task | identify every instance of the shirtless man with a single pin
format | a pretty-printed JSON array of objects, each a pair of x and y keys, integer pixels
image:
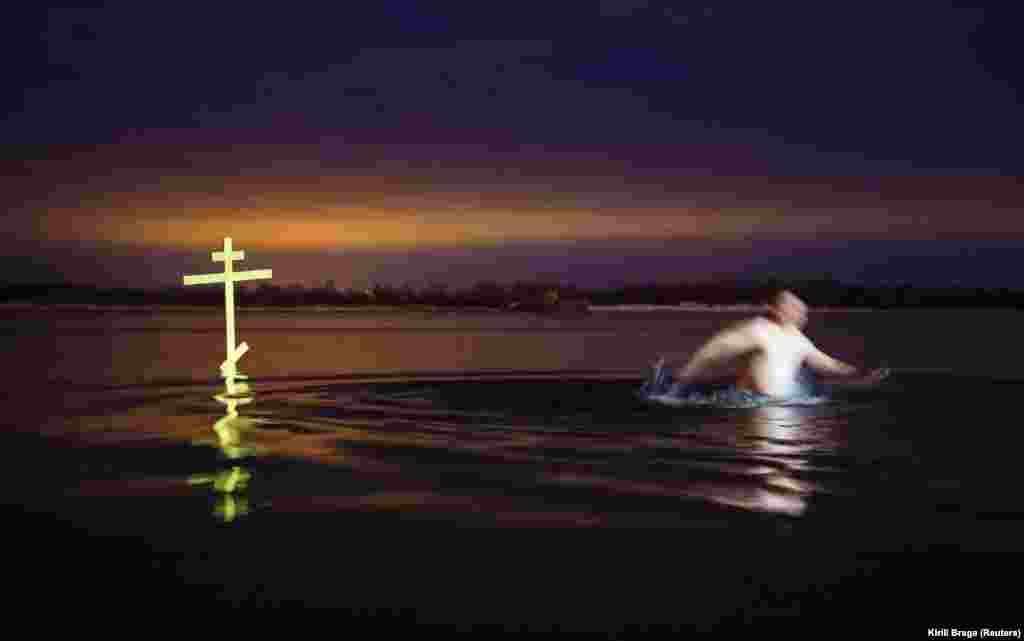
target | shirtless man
[{"x": 774, "y": 349}]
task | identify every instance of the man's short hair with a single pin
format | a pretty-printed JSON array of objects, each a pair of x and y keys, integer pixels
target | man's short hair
[{"x": 776, "y": 297}]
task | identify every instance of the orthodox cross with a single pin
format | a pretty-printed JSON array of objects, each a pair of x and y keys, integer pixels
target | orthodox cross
[{"x": 229, "y": 277}]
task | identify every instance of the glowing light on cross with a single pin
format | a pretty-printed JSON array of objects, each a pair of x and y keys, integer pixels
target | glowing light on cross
[{"x": 229, "y": 368}]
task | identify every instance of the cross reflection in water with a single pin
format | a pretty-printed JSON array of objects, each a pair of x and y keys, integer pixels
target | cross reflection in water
[{"x": 230, "y": 484}]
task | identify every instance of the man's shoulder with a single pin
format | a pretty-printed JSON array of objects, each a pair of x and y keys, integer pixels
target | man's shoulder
[
  {"x": 756, "y": 326},
  {"x": 756, "y": 322}
]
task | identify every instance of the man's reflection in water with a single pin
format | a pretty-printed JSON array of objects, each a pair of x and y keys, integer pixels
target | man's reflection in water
[
  {"x": 781, "y": 439},
  {"x": 230, "y": 484},
  {"x": 782, "y": 433}
]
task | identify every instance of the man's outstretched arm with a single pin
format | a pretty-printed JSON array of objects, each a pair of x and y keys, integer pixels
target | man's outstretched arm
[
  {"x": 721, "y": 348},
  {"x": 826, "y": 365}
]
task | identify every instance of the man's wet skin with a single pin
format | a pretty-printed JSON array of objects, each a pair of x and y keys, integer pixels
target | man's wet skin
[{"x": 770, "y": 351}]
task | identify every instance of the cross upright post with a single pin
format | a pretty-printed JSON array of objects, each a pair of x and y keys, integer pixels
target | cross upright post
[
  {"x": 229, "y": 277},
  {"x": 227, "y": 256}
]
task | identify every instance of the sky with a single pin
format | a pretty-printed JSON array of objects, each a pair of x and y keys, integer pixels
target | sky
[{"x": 595, "y": 142}]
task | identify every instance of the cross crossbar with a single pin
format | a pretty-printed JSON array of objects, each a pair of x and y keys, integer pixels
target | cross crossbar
[
  {"x": 218, "y": 257},
  {"x": 211, "y": 279}
]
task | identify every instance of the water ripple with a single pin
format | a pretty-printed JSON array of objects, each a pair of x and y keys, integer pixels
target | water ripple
[{"x": 574, "y": 449}]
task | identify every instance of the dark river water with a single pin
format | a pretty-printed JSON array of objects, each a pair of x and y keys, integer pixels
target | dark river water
[{"x": 470, "y": 469}]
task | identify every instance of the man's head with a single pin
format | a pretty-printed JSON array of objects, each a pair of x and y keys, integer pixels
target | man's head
[{"x": 788, "y": 309}]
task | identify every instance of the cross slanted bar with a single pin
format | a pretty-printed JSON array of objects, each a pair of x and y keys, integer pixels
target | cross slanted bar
[{"x": 229, "y": 277}]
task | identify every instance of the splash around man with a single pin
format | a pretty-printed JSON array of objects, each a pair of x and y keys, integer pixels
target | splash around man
[{"x": 773, "y": 353}]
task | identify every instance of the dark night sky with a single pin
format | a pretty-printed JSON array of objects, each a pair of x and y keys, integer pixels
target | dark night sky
[{"x": 589, "y": 141}]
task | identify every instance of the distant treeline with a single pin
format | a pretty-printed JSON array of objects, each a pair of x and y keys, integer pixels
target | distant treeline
[{"x": 525, "y": 295}]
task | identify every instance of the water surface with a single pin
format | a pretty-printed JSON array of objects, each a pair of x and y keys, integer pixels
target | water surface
[{"x": 394, "y": 431}]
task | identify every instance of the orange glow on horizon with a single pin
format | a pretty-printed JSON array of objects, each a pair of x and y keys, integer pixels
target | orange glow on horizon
[
  {"x": 368, "y": 229},
  {"x": 364, "y": 228}
]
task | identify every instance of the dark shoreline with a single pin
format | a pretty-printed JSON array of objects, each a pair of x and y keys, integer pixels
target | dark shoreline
[{"x": 552, "y": 298}]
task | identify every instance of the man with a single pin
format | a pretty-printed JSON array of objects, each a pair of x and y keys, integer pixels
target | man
[{"x": 773, "y": 351}]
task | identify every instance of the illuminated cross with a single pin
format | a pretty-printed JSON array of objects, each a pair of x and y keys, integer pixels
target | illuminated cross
[{"x": 229, "y": 277}]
